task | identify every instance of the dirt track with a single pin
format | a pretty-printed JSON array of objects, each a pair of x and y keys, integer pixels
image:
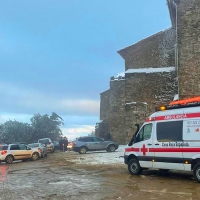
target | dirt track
[{"x": 61, "y": 176}]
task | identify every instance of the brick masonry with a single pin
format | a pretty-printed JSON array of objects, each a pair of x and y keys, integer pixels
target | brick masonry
[{"x": 188, "y": 13}]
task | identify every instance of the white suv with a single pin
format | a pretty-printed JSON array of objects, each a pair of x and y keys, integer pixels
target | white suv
[
  {"x": 11, "y": 152},
  {"x": 48, "y": 143}
]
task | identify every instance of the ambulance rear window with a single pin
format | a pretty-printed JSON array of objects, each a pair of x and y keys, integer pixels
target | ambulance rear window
[{"x": 169, "y": 131}]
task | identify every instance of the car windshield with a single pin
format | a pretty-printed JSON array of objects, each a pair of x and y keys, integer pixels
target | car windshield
[
  {"x": 44, "y": 141},
  {"x": 33, "y": 145}
]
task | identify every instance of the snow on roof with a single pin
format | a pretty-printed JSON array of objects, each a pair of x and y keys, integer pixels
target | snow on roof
[
  {"x": 136, "y": 103},
  {"x": 118, "y": 77},
  {"x": 122, "y": 74},
  {"x": 150, "y": 70}
]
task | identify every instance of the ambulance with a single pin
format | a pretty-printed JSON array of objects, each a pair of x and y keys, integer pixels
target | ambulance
[{"x": 168, "y": 140}]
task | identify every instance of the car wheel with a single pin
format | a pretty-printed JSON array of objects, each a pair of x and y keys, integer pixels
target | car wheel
[
  {"x": 9, "y": 159},
  {"x": 196, "y": 172},
  {"x": 82, "y": 150},
  {"x": 111, "y": 148},
  {"x": 164, "y": 170},
  {"x": 134, "y": 167},
  {"x": 35, "y": 156}
]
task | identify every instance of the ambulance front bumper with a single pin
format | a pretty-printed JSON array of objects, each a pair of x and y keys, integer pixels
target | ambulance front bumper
[{"x": 126, "y": 159}]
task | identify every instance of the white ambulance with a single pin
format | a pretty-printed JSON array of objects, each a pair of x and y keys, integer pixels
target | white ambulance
[{"x": 168, "y": 140}]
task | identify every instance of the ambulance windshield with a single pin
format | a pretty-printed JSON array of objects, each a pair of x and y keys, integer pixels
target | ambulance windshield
[{"x": 133, "y": 138}]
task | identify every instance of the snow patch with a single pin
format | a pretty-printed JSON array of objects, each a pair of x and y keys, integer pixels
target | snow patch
[
  {"x": 119, "y": 77},
  {"x": 176, "y": 97},
  {"x": 102, "y": 157},
  {"x": 150, "y": 70},
  {"x": 131, "y": 103}
]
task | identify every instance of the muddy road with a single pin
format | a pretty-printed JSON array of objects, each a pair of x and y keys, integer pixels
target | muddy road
[{"x": 69, "y": 175}]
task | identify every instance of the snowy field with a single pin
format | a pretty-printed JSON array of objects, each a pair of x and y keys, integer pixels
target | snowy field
[{"x": 101, "y": 157}]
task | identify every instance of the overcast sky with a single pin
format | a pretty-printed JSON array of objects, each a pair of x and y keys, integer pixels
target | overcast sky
[{"x": 58, "y": 56}]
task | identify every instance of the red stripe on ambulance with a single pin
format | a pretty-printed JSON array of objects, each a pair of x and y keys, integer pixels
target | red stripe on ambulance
[
  {"x": 132, "y": 149},
  {"x": 163, "y": 150},
  {"x": 173, "y": 117}
]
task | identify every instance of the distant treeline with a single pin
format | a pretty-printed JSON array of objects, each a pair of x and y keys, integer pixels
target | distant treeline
[{"x": 41, "y": 126}]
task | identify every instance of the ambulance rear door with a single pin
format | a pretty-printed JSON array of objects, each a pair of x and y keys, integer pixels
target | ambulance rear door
[{"x": 168, "y": 136}]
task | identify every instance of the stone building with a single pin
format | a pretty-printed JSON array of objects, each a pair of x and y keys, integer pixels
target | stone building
[
  {"x": 156, "y": 69},
  {"x": 185, "y": 16}
]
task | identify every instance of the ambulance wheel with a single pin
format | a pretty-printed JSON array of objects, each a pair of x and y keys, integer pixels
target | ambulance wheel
[
  {"x": 196, "y": 172},
  {"x": 134, "y": 167}
]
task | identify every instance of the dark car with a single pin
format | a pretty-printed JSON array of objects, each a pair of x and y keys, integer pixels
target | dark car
[
  {"x": 91, "y": 143},
  {"x": 56, "y": 145}
]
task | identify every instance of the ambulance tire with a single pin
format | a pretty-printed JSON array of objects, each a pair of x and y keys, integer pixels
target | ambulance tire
[
  {"x": 196, "y": 172},
  {"x": 134, "y": 167}
]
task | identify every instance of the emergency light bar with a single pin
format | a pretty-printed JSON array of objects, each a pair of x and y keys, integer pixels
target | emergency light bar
[
  {"x": 185, "y": 101},
  {"x": 190, "y": 102}
]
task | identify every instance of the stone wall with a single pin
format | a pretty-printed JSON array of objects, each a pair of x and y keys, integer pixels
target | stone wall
[
  {"x": 136, "y": 112},
  {"x": 154, "y": 51},
  {"x": 117, "y": 111},
  {"x": 152, "y": 88},
  {"x": 104, "y": 104},
  {"x": 132, "y": 100},
  {"x": 189, "y": 48},
  {"x": 144, "y": 92}
]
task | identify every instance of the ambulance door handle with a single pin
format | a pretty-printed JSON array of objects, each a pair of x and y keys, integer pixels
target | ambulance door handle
[
  {"x": 156, "y": 144},
  {"x": 149, "y": 144}
]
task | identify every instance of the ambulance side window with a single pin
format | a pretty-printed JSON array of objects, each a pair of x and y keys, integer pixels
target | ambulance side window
[
  {"x": 144, "y": 133},
  {"x": 170, "y": 131}
]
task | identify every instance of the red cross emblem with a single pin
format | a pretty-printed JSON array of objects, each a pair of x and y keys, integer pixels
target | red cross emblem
[{"x": 144, "y": 150}]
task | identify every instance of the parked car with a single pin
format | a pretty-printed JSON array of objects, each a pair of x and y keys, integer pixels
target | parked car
[
  {"x": 41, "y": 148},
  {"x": 11, "y": 152},
  {"x": 56, "y": 145},
  {"x": 90, "y": 143},
  {"x": 48, "y": 143}
]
